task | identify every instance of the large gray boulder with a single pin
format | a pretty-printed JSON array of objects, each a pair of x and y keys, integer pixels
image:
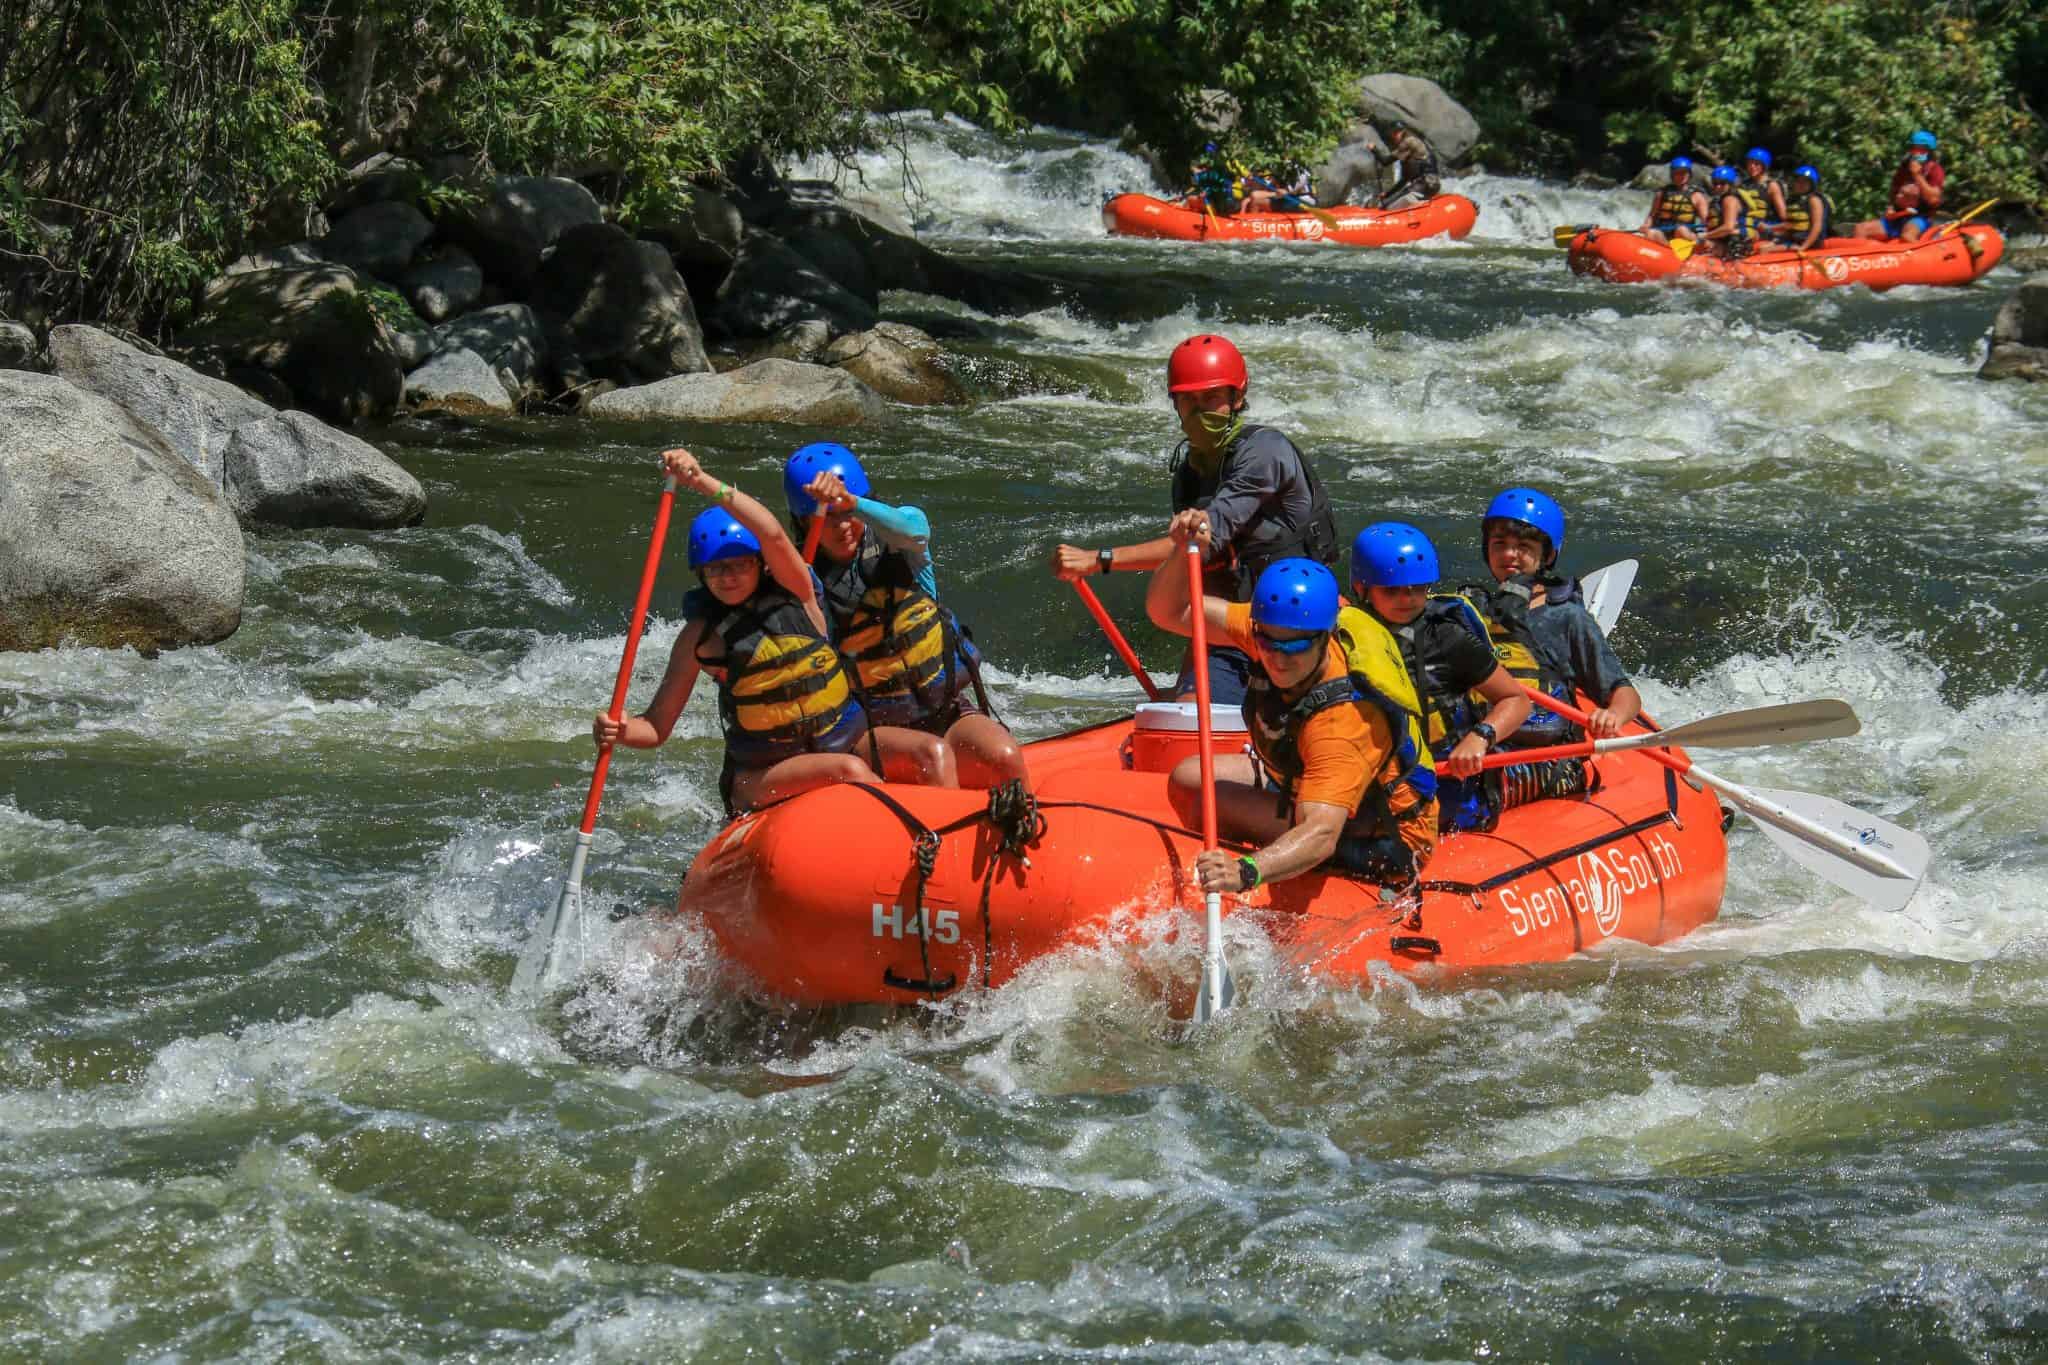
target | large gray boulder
[
  {"x": 18, "y": 348},
  {"x": 445, "y": 285},
  {"x": 296, "y": 256},
  {"x": 313, "y": 329},
  {"x": 772, "y": 286},
  {"x": 378, "y": 239},
  {"x": 462, "y": 382},
  {"x": 509, "y": 336},
  {"x": 833, "y": 233},
  {"x": 765, "y": 391},
  {"x": 2019, "y": 334},
  {"x": 284, "y": 469},
  {"x": 108, "y": 537},
  {"x": 291, "y": 469},
  {"x": 705, "y": 230},
  {"x": 897, "y": 361},
  {"x": 1352, "y": 169},
  {"x": 379, "y": 179},
  {"x": 802, "y": 341},
  {"x": 1444, "y": 123},
  {"x": 513, "y": 221},
  {"x": 619, "y": 307}
]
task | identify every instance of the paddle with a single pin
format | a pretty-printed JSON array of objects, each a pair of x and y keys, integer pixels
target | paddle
[
  {"x": 1951, "y": 226},
  {"x": 554, "y": 956},
  {"x": 1564, "y": 234},
  {"x": 1762, "y": 727},
  {"x": 1117, "y": 641},
  {"x": 813, "y": 536},
  {"x": 1605, "y": 589},
  {"x": 1869, "y": 857},
  {"x": 1327, "y": 219},
  {"x": 1217, "y": 988},
  {"x": 1683, "y": 248}
]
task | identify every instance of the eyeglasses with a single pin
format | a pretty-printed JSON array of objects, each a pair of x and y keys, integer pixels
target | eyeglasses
[
  {"x": 1269, "y": 644},
  {"x": 726, "y": 566}
]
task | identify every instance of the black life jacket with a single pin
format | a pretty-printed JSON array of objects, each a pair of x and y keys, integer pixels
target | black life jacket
[
  {"x": 1675, "y": 204},
  {"x": 1265, "y": 539},
  {"x": 905, "y": 649},
  {"x": 784, "y": 691},
  {"x": 1504, "y": 610},
  {"x": 1378, "y": 679},
  {"x": 1448, "y": 714},
  {"x": 1799, "y": 214},
  {"x": 1429, "y": 170}
]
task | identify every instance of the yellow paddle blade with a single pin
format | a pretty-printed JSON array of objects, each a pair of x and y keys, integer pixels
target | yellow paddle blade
[
  {"x": 1562, "y": 234},
  {"x": 1682, "y": 248},
  {"x": 1951, "y": 227}
]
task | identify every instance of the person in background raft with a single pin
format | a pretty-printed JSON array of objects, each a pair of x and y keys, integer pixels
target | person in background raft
[
  {"x": 1681, "y": 208},
  {"x": 1545, "y": 637},
  {"x": 1470, "y": 702},
  {"x": 1212, "y": 184},
  {"x": 1809, "y": 216},
  {"x": 1342, "y": 774},
  {"x": 1259, "y": 495},
  {"x": 912, "y": 663},
  {"x": 792, "y": 722},
  {"x": 1916, "y": 194},
  {"x": 1421, "y": 177},
  {"x": 1287, "y": 191}
]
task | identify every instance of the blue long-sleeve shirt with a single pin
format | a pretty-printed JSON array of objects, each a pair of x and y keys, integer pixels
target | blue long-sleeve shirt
[{"x": 904, "y": 529}]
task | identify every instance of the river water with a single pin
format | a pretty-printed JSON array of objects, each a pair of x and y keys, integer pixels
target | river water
[{"x": 262, "y": 1096}]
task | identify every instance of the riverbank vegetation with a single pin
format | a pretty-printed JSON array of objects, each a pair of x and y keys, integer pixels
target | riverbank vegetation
[{"x": 142, "y": 146}]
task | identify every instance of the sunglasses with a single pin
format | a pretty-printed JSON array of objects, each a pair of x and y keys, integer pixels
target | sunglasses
[{"x": 1269, "y": 644}]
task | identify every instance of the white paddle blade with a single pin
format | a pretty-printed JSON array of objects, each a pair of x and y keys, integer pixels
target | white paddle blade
[
  {"x": 1606, "y": 589},
  {"x": 1218, "y": 989},
  {"x": 1905, "y": 850},
  {"x": 1758, "y": 728},
  {"x": 556, "y": 953}
]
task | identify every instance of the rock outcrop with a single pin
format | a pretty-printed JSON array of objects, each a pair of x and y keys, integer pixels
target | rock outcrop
[
  {"x": 2019, "y": 334},
  {"x": 617, "y": 308},
  {"x": 1444, "y": 123},
  {"x": 313, "y": 328},
  {"x": 765, "y": 391},
  {"x": 108, "y": 537},
  {"x": 896, "y": 361}
]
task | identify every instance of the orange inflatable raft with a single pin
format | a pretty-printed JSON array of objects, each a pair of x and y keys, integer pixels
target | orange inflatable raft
[
  {"x": 893, "y": 894},
  {"x": 1140, "y": 215},
  {"x": 1955, "y": 256}
]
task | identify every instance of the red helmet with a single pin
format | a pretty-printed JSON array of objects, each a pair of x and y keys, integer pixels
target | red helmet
[{"x": 1207, "y": 361}]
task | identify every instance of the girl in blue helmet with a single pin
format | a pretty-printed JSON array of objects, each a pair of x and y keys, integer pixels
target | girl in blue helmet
[
  {"x": 1470, "y": 702},
  {"x": 1809, "y": 215},
  {"x": 1335, "y": 726},
  {"x": 1522, "y": 534},
  {"x": 1736, "y": 226},
  {"x": 792, "y": 721},
  {"x": 918, "y": 673},
  {"x": 1762, "y": 191},
  {"x": 1681, "y": 208}
]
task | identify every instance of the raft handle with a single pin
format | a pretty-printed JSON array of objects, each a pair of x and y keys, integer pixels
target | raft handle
[
  {"x": 1415, "y": 943},
  {"x": 924, "y": 987}
]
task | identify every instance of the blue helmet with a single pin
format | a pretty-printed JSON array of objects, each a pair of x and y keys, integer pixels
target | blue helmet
[
  {"x": 1681, "y": 163},
  {"x": 1209, "y": 148},
  {"x": 1531, "y": 508},
  {"x": 715, "y": 535},
  {"x": 1723, "y": 175},
  {"x": 812, "y": 460},
  {"x": 1295, "y": 594},
  {"x": 1807, "y": 173},
  {"x": 1393, "y": 554},
  {"x": 1923, "y": 138},
  {"x": 1758, "y": 154}
]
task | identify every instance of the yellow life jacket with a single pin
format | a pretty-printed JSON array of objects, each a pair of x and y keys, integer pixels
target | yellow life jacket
[
  {"x": 785, "y": 691},
  {"x": 1378, "y": 678},
  {"x": 1799, "y": 214},
  {"x": 903, "y": 646},
  {"x": 1675, "y": 205}
]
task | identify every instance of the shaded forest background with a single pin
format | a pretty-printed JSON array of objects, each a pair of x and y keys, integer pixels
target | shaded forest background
[{"x": 143, "y": 143}]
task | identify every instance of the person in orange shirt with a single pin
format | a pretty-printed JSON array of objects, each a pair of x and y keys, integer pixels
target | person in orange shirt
[{"x": 1333, "y": 781}]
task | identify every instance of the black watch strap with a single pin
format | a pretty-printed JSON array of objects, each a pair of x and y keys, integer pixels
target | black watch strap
[
  {"x": 1105, "y": 560},
  {"x": 1485, "y": 731}
]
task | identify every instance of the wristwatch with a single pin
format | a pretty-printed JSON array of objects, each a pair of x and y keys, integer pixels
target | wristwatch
[
  {"x": 1105, "y": 560},
  {"x": 1487, "y": 731},
  {"x": 1249, "y": 871}
]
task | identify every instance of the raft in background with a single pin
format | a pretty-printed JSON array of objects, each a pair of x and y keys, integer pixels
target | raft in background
[
  {"x": 1953, "y": 257},
  {"x": 893, "y": 894},
  {"x": 1141, "y": 215}
]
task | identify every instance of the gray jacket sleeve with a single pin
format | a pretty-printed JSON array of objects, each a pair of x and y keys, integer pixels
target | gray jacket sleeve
[{"x": 1262, "y": 465}]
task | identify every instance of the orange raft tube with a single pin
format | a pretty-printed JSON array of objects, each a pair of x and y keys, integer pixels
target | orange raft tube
[
  {"x": 894, "y": 894},
  {"x": 1954, "y": 256},
  {"x": 1140, "y": 215}
]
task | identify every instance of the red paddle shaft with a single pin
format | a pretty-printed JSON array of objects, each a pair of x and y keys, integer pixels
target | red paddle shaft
[
  {"x": 633, "y": 630},
  {"x": 1675, "y": 762},
  {"x": 1117, "y": 641}
]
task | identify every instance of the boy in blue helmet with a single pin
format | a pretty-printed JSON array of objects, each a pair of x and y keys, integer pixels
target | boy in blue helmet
[
  {"x": 918, "y": 673},
  {"x": 1334, "y": 722},
  {"x": 792, "y": 722},
  {"x": 1809, "y": 216},
  {"x": 1522, "y": 534},
  {"x": 1762, "y": 192},
  {"x": 1469, "y": 700},
  {"x": 1681, "y": 208},
  {"x": 1735, "y": 228}
]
